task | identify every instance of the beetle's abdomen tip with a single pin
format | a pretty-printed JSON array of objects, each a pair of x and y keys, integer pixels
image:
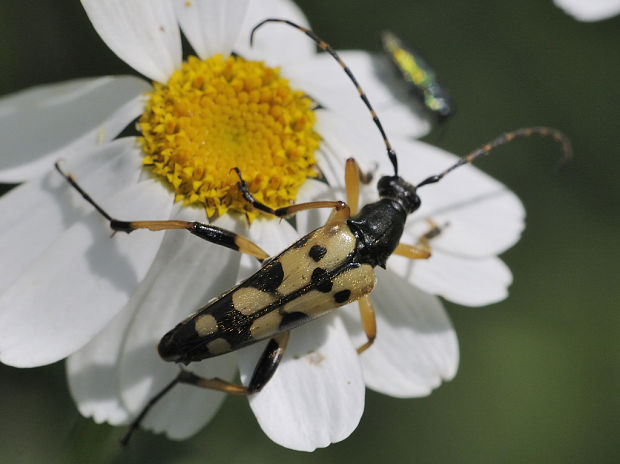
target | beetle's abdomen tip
[{"x": 169, "y": 349}]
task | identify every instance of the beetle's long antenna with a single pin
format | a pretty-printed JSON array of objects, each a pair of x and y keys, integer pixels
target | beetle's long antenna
[
  {"x": 501, "y": 140},
  {"x": 326, "y": 47}
]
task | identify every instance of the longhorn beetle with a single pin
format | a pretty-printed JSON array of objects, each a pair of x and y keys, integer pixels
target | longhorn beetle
[{"x": 328, "y": 268}]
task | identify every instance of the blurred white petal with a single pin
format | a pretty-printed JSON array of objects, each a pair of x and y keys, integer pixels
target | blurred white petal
[{"x": 590, "y": 10}]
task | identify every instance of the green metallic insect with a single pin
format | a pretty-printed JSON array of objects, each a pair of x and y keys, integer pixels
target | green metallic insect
[
  {"x": 330, "y": 267},
  {"x": 421, "y": 77}
]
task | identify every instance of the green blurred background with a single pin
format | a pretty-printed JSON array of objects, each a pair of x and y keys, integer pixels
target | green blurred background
[{"x": 539, "y": 372}]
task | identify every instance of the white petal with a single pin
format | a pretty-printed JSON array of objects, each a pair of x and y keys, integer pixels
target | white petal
[
  {"x": 80, "y": 282},
  {"x": 397, "y": 111},
  {"x": 186, "y": 273},
  {"x": 482, "y": 216},
  {"x": 416, "y": 346},
  {"x": 331, "y": 160},
  {"x": 340, "y": 140},
  {"x": 36, "y": 213},
  {"x": 590, "y": 10},
  {"x": 469, "y": 282},
  {"x": 143, "y": 33},
  {"x": 316, "y": 397},
  {"x": 272, "y": 235},
  {"x": 274, "y": 43},
  {"x": 92, "y": 374},
  {"x": 403, "y": 120},
  {"x": 186, "y": 409},
  {"x": 93, "y": 111},
  {"x": 211, "y": 26}
]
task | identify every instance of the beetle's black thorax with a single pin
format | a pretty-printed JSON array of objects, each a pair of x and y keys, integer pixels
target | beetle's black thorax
[
  {"x": 378, "y": 228},
  {"x": 379, "y": 225}
]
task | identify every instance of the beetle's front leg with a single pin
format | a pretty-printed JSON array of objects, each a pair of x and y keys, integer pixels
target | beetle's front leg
[
  {"x": 340, "y": 214},
  {"x": 353, "y": 177},
  {"x": 206, "y": 232}
]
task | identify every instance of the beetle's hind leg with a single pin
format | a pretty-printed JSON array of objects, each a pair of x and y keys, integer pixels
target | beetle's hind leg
[
  {"x": 206, "y": 232},
  {"x": 421, "y": 250},
  {"x": 264, "y": 370},
  {"x": 369, "y": 322}
]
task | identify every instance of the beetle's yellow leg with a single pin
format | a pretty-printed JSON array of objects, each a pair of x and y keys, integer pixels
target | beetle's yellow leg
[
  {"x": 341, "y": 209},
  {"x": 422, "y": 249},
  {"x": 206, "y": 232},
  {"x": 264, "y": 370},
  {"x": 413, "y": 251},
  {"x": 352, "y": 184},
  {"x": 353, "y": 177},
  {"x": 369, "y": 322}
]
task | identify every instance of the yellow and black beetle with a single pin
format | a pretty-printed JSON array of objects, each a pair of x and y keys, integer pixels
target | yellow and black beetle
[{"x": 330, "y": 267}]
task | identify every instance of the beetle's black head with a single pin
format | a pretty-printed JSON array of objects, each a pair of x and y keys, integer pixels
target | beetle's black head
[{"x": 396, "y": 188}]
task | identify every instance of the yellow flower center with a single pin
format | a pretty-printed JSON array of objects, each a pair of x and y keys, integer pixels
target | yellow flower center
[{"x": 221, "y": 113}]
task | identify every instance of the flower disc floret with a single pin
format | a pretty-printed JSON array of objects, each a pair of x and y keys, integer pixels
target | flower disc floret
[{"x": 217, "y": 114}]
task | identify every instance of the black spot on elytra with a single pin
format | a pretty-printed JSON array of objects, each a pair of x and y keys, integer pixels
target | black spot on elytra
[
  {"x": 342, "y": 296},
  {"x": 269, "y": 278},
  {"x": 321, "y": 281},
  {"x": 291, "y": 320},
  {"x": 317, "y": 252}
]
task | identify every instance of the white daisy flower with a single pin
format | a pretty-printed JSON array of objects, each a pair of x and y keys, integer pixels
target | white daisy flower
[
  {"x": 590, "y": 10},
  {"x": 68, "y": 290}
]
